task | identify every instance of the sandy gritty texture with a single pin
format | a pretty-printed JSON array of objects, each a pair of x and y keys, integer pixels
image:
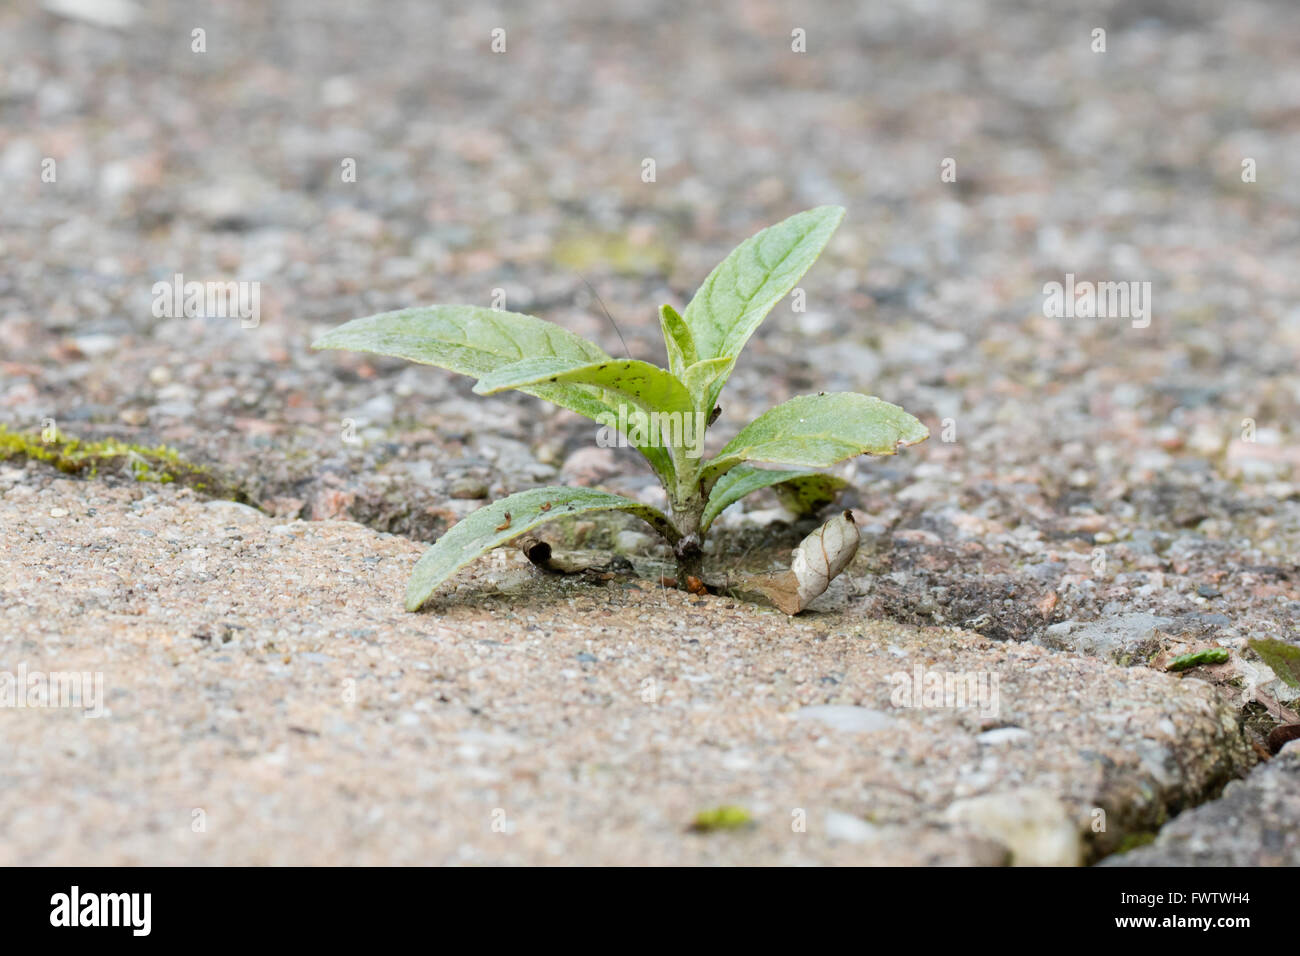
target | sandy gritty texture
[{"x": 595, "y": 719}]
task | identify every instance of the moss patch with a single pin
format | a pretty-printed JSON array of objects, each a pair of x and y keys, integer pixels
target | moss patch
[
  {"x": 615, "y": 253},
  {"x": 1132, "y": 841},
  {"x": 159, "y": 464},
  {"x": 721, "y": 818}
]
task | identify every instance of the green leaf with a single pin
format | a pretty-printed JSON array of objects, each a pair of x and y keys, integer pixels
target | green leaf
[
  {"x": 803, "y": 492},
  {"x": 700, "y": 378},
  {"x": 495, "y": 524},
  {"x": 677, "y": 339},
  {"x": 741, "y": 291},
  {"x": 808, "y": 494},
  {"x": 476, "y": 341},
  {"x": 815, "y": 431},
  {"x": 1283, "y": 658},
  {"x": 647, "y": 386},
  {"x": 473, "y": 341}
]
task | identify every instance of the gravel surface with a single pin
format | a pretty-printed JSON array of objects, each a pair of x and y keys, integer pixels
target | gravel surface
[{"x": 1098, "y": 491}]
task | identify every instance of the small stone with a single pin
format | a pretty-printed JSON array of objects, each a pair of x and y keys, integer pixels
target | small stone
[
  {"x": 550, "y": 453},
  {"x": 1004, "y": 735},
  {"x": 331, "y": 503},
  {"x": 96, "y": 344},
  {"x": 1170, "y": 438},
  {"x": 1081, "y": 479},
  {"x": 850, "y": 829},
  {"x": 284, "y": 507},
  {"x": 1033, "y": 824},
  {"x": 632, "y": 542},
  {"x": 1047, "y": 604},
  {"x": 234, "y": 511},
  {"x": 588, "y": 466},
  {"x": 467, "y": 488},
  {"x": 1206, "y": 440},
  {"x": 847, "y": 717}
]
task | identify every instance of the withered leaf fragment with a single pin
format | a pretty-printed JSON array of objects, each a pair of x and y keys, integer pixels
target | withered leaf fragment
[{"x": 816, "y": 562}]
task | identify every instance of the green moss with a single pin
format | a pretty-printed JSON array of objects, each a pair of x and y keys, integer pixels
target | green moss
[
  {"x": 614, "y": 252},
  {"x": 721, "y": 818},
  {"x": 159, "y": 464},
  {"x": 1132, "y": 841}
]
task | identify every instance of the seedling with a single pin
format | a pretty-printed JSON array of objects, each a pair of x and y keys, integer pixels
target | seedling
[{"x": 651, "y": 406}]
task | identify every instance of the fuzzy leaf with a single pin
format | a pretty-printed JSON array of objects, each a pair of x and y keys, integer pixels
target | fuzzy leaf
[
  {"x": 488, "y": 527},
  {"x": 803, "y": 492},
  {"x": 473, "y": 341},
  {"x": 476, "y": 341},
  {"x": 1283, "y": 658},
  {"x": 808, "y": 494},
  {"x": 700, "y": 378},
  {"x": 816, "y": 431},
  {"x": 647, "y": 386},
  {"x": 677, "y": 339},
  {"x": 741, "y": 291}
]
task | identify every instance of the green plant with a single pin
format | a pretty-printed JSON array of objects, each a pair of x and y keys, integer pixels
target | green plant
[
  {"x": 1216, "y": 655},
  {"x": 662, "y": 412}
]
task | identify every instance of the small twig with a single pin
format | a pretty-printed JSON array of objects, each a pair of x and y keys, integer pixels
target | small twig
[{"x": 1285, "y": 714}]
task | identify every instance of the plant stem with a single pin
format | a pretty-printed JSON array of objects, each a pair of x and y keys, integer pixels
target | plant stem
[
  {"x": 687, "y": 502},
  {"x": 690, "y": 559},
  {"x": 687, "y": 511}
]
